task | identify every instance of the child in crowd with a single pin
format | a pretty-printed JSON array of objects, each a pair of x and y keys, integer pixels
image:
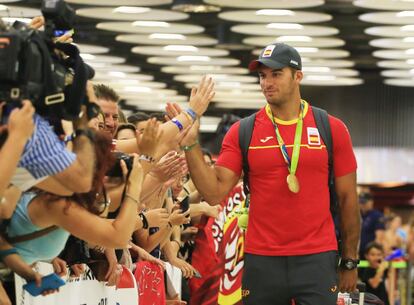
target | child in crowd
[{"x": 375, "y": 274}]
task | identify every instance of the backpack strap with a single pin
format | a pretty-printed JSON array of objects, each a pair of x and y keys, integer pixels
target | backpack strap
[
  {"x": 30, "y": 236},
  {"x": 324, "y": 128},
  {"x": 245, "y": 136}
]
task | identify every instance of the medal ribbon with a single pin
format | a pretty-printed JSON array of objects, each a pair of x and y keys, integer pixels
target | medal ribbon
[{"x": 292, "y": 164}]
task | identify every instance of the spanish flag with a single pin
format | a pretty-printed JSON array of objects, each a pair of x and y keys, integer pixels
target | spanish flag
[{"x": 313, "y": 136}]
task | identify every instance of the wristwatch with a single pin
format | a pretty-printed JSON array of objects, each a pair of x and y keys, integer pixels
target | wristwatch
[{"x": 349, "y": 263}]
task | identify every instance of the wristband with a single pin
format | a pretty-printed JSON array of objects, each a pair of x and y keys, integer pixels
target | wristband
[
  {"x": 178, "y": 124},
  {"x": 144, "y": 220},
  {"x": 189, "y": 147},
  {"x": 189, "y": 117},
  {"x": 68, "y": 138},
  {"x": 177, "y": 242},
  {"x": 170, "y": 225},
  {"x": 146, "y": 158},
  {"x": 191, "y": 113},
  {"x": 4, "y": 253}
]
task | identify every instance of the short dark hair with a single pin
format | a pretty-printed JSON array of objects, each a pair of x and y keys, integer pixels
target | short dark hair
[
  {"x": 138, "y": 117},
  {"x": 124, "y": 126},
  {"x": 105, "y": 92},
  {"x": 373, "y": 245}
]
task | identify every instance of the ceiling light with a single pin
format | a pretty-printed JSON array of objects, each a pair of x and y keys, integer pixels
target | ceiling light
[
  {"x": 408, "y": 39},
  {"x": 117, "y": 74},
  {"x": 131, "y": 10},
  {"x": 193, "y": 58},
  {"x": 285, "y": 26},
  {"x": 229, "y": 84},
  {"x": 3, "y": 7},
  {"x": 405, "y": 14},
  {"x": 87, "y": 56},
  {"x": 180, "y": 48},
  {"x": 307, "y": 50},
  {"x": 316, "y": 69},
  {"x": 409, "y": 51},
  {"x": 11, "y": 20},
  {"x": 294, "y": 38},
  {"x": 196, "y": 8},
  {"x": 412, "y": 71},
  {"x": 98, "y": 65},
  {"x": 321, "y": 77},
  {"x": 268, "y": 12},
  {"x": 219, "y": 76},
  {"x": 407, "y": 28},
  {"x": 410, "y": 61},
  {"x": 204, "y": 68},
  {"x": 167, "y": 36},
  {"x": 137, "y": 89},
  {"x": 160, "y": 24}
]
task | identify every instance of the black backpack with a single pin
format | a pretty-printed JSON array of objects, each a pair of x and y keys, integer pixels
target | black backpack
[{"x": 324, "y": 128}]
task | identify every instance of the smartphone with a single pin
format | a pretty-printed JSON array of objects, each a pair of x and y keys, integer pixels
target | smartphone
[
  {"x": 58, "y": 33},
  {"x": 185, "y": 204},
  {"x": 49, "y": 282}
]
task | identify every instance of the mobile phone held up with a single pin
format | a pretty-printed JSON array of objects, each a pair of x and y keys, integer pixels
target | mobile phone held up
[{"x": 49, "y": 282}]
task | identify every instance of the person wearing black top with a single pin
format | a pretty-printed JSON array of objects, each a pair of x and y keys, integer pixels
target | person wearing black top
[{"x": 374, "y": 276}]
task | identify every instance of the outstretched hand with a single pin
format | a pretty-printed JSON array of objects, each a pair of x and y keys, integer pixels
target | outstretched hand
[{"x": 202, "y": 95}]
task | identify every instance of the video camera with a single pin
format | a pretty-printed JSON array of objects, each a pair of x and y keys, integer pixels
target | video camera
[{"x": 50, "y": 74}]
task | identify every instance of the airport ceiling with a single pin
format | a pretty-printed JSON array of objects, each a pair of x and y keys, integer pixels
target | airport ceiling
[{"x": 153, "y": 51}]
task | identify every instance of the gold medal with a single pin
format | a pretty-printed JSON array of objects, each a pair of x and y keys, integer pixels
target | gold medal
[{"x": 293, "y": 183}]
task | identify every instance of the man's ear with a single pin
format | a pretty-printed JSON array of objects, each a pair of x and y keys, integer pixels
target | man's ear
[{"x": 299, "y": 75}]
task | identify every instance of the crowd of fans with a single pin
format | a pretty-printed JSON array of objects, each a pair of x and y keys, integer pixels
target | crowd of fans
[
  {"x": 117, "y": 185},
  {"x": 384, "y": 239}
]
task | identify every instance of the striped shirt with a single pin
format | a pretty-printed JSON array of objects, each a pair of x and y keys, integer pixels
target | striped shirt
[{"x": 45, "y": 154}]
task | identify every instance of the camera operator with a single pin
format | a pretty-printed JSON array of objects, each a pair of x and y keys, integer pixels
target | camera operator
[
  {"x": 47, "y": 163},
  {"x": 18, "y": 129},
  {"x": 55, "y": 80}
]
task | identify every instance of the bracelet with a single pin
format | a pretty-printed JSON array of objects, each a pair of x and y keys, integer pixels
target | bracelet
[
  {"x": 189, "y": 117},
  {"x": 191, "y": 113},
  {"x": 189, "y": 147},
  {"x": 68, "y": 138},
  {"x": 132, "y": 198},
  {"x": 178, "y": 124},
  {"x": 144, "y": 220},
  {"x": 177, "y": 242},
  {"x": 146, "y": 158},
  {"x": 4, "y": 253},
  {"x": 170, "y": 224}
]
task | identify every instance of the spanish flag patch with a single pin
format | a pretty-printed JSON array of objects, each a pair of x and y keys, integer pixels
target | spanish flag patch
[{"x": 313, "y": 136}]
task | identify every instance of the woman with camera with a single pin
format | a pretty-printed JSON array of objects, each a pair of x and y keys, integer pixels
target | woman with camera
[{"x": 77, "y": 215}]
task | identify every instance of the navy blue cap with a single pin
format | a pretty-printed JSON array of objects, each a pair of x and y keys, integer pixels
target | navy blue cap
[{"x": 277, "y": 56}]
